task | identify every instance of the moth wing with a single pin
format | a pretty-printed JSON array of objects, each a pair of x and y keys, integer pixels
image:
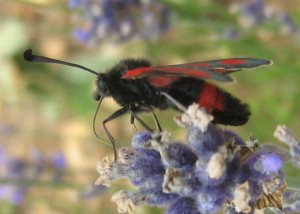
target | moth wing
[
  {"x": 182, "y": 70},
  {"x": 213, "y": 70},
  {"x": 226, "y": 66}
]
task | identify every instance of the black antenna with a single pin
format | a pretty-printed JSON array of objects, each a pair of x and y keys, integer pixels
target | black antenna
[{"x": 33, "y": 58}]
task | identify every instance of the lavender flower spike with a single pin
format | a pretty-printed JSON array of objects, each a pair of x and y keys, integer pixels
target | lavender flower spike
[{"x": 215, "y": 167}]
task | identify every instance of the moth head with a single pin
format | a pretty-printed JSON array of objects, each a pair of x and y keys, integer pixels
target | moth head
[{"x": 102, "y": 89}]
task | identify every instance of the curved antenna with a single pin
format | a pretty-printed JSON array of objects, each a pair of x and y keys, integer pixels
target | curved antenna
[
  {"x": 94, "y": 125},
  {"x": 34, "y": 58}
]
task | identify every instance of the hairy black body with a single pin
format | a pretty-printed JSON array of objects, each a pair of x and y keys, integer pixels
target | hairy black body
[{"x": 139, "y": 95}]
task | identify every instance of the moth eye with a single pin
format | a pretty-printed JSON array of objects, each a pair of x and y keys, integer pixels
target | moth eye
[
  {"x": 96, "y": 95},
  {"x": 102, "y": 87}
]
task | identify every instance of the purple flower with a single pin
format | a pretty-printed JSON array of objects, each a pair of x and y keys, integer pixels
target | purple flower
[
  {"x": 17, "y": 196},
  {"x": 82, "y": 35},
  {"x": 59, "y": 161},
  {"x": 251, "y": 13},
  {"x": 288, "y": 25},
  {"x": 205, "y": 144},
  {"x": 256, "y": 12},
  {"x": 13, "y": 194},
  {"x": 211, "y": 198},
  {"x": 21, "y": 174},
  {"x": 74, "y": 3},
  {"x": 120, "y": 20},
  {"x": 179, "y": 155},
  {"x": 263, "y": 165},
  {"x": 215, "y": 167},
  {"x": 139, "y": 143},
  {"x": 152, "y": 187},
  {"x": 183, "y": 205},
  {"x": 143, "y": 168}
]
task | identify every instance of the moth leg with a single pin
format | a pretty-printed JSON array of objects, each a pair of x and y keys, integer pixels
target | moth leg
[
  {"x": 137, "y": 109},
  {"x": 134, "y": 114},
  {"x": 147, "y": 109},
  {"x": 115, "y": 115},
  {"x": 132, "y": 123},
  {"x": 157, "y": 124}
]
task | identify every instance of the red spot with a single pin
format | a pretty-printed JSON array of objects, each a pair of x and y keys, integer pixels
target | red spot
[
  {"x": 132, "y": 74},
  {"x": 211, "y": 97},
  {"x": 233, "y": 61},
  {"x": 160, "y": 82}
]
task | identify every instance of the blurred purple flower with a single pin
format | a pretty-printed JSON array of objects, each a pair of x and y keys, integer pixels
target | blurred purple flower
[
  {"x": 215, "y": 167},
  {"x": 19, "y": 174},
  {"x": 59, "y": 161},
  {"x": 74, "y": 3},
  {"x": 255, "y": 12},
  {"x": 121, "y": 20},
  {"x": 13, "y": 194},
  {"x": 81, "y": 35},
  {"x": 288, "y": 25},
  {"x": 12, "y": 170}
]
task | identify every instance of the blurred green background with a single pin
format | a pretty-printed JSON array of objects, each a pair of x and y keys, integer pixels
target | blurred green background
[{"x": 46, "y": 111}]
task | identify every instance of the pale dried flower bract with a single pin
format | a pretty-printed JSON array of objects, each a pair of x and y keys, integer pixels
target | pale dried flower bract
[{"x": 194, "y": 116}]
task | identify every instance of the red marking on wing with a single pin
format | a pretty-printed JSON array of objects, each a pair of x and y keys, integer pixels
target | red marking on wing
[
  {"x": 165, "y": 71},
  {"x": 184, "y": 72},
  {"x": 233, "y": 61},
  {"x": 137, "y": 72},
  {"x": 160, "y": 82},
  {"x": 211, "y": 97}
]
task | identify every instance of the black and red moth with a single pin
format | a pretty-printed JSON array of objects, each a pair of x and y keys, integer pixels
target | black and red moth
[{"x": 137, "y": 86}]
